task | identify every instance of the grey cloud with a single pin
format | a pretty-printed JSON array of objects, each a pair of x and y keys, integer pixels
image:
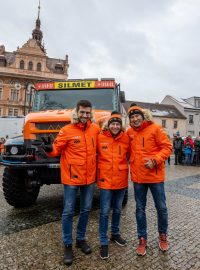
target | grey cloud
[{"x": 151, "y": 47}]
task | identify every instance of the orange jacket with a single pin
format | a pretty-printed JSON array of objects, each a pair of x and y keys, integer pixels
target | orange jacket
[
  {"x": 148, "y": 142},
  {"x": 1, "y": 148},
  {"x": 112, "y": 160},
  {"x": 77, "y": 147}
]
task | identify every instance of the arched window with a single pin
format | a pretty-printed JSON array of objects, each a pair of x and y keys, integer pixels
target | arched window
[
  {"x": 39, "y": 67},
  {"x": 3, "y": 61},
  {"x": 21, "y": 64},
  {"x": 30, "y": 65}
]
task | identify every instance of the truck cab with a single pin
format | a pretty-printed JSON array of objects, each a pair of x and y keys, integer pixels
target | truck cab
[{"x": 27, "y": 167}]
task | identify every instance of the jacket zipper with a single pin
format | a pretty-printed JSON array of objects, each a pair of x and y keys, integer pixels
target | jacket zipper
[
  {"x": 143, "y": 141},
  {"x": 86, "y": 156},
  {"x": 93, "y": 142}
]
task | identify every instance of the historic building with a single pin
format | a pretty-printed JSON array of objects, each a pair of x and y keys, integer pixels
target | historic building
[
  {"x": 23, "y": 67},
  {"x": 190, "y": 107}
]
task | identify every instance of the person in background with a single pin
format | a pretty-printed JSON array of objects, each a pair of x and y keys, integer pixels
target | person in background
[
  {"x": 76, "y": 143},
  {"x": 189, "y": 142},
  {"x": 197, "y": 150},
  {"x": 178, "y": 146},
  {"x": 150, "y": 147},
  {"x": 113, "y": 147},
  {"x": 169, "y": 158},
  {"x": 188, "y": 153},
  {"x": 2, "y": 142}
]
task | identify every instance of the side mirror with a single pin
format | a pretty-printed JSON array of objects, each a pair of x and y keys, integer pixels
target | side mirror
[{"x": 122, "y": 96}]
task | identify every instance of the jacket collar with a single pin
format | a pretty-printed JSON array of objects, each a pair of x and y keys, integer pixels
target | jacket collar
[
  {"x": 143, "y": 125},
  {"x": 107, "y": 133},
  {"x": 84, "y": 126}
]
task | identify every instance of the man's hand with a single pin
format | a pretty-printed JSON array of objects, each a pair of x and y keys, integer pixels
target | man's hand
[
  {"x": 47, "y": 145},
  {"x": 150, "y": 163}
]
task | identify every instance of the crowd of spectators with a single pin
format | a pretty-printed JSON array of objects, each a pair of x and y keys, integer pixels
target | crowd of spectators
[{"x": 186, "y": 150}]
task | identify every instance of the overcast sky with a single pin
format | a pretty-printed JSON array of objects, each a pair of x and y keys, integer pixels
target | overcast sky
[{"x": 151, "y": 47}]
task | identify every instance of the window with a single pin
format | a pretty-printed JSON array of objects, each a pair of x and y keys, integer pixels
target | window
[
  {"x": 164, "y": 123},
  {"x": 175, "y": 124},
  {"x": 198, "y": 103},
  {"x": 1, "y": 89},
  {"x": 14, "y": 95},
  {"x": 15, "y": 112},
  {"x": 39, "y": 67},
  {"x": 191, "y": 119},
  {"x": 21, "y": 64},
  {"x": 10, "y": 112},
  {"x": 59, "y": 68},
  {"x": 30, "y": 65},
  {"x": 0, "y": 112}
]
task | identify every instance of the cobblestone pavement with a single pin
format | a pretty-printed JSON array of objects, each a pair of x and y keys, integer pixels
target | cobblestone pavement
[{"x": 30, "y": 238}]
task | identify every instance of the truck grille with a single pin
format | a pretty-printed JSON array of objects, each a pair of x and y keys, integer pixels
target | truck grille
[
  {"x": 51, "y": 126},
  {"x": 45, "y": 135}
]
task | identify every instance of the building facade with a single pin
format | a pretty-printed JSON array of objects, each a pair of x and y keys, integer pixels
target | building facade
[
  {"x": 189, "y": 107},
  {"x": 22, "y": 68},
  {"x": 167, "y": 116}
]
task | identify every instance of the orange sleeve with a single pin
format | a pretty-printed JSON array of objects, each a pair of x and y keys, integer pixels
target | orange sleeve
[
  {"x": 59, "y": 143},
  {"x": 164, "y": 144}
]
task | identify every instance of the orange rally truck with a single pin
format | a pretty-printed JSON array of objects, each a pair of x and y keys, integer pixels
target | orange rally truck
[{"x": 27, "y": 167}]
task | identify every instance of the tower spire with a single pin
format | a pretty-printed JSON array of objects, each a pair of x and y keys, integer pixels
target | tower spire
[
  {"x": 37, "y": 33},
  {"x": 39, "y": 10}
]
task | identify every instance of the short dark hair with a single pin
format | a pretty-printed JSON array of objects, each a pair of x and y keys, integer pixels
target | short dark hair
[{"x": 83, "y": 103}]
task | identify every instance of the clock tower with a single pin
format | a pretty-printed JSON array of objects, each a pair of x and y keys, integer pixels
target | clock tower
[{"x": 21, "y": 68}]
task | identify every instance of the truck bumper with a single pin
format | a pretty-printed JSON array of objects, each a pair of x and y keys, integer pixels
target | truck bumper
[{"x": 21, "y": 165}]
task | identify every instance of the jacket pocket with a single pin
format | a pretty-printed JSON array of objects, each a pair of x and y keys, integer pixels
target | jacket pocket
[
  {"x": 77, "y": 169},
  {"x": 104, "y": 171}
]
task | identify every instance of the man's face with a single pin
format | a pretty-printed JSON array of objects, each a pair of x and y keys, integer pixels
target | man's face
[
  {"x": 115, "y": 128},
  {"x": 84, "y": 114},
  {"x": 136, "y": 120}
]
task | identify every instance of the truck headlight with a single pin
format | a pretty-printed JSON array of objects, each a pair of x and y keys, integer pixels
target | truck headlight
[{"x": 13, "y": 150}]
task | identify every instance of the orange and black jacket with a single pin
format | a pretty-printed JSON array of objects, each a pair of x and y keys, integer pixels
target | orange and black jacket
[
  {"x": 77, "y": 147},
  {"x": 149, "y": 141},
  {"x": 112, "y": 160}
]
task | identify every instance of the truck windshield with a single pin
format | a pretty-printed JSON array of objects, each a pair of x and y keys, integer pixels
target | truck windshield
[{"x": 102, "y": 99}]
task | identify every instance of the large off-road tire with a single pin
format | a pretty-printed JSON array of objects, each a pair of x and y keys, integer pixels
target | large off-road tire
[
  {"x": 125, "y": 200},
  {"x": 16, "y": 190}
]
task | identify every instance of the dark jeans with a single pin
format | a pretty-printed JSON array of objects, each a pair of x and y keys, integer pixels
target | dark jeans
[
  {"x": 178, "y": 156},
  {"x": 158, "y": 193},
  {"x": 115, "y": 198},
  {"x": 86, "y": 198}
]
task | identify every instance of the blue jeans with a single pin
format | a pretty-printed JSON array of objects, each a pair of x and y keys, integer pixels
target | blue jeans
[
  {"x": 158, "y": 193},
  {"x": 110, "y": 198},
  {"x": 86, "y": 198},
  {"x": 188, "y": 158}
]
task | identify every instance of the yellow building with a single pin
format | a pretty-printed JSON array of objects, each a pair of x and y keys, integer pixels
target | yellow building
[{"x": 23, "y": 67}]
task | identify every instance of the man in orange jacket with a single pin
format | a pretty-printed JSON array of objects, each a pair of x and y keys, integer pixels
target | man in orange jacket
[
  {"x": 150, "y": 147},
  {"x": 76, "y": 143},
  {"x": 113, "y": 146}
]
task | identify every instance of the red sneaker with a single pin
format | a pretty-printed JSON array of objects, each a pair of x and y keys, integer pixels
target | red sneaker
[
  {"x": 141, "y": 249},
  {"x": 163, "y": 243}
]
